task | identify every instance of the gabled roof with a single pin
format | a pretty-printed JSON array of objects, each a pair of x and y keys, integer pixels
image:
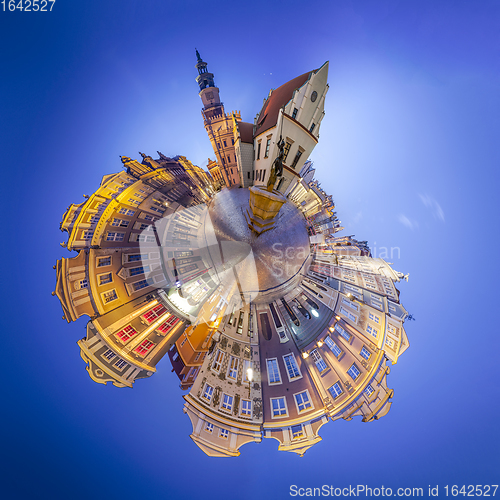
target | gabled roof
[
  {"x": 280, "y": 96},
  {"x": 246, "y": 132}
]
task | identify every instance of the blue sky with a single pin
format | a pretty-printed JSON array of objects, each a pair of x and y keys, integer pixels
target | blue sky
[{"x": 408, "y": 149}]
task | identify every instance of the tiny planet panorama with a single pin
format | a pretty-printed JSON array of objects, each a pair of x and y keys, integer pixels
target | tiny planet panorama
[{"x": 273, "y": 323}]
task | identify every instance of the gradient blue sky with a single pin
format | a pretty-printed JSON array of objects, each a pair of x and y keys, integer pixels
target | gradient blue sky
[{"x": 409, "y": 150}]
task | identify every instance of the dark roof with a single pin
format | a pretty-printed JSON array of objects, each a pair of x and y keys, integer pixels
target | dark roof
[
  {"x": 280, "y": 96},
  {"x": 246, "y": 132}
]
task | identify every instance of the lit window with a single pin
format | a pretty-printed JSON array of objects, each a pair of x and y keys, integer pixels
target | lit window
[
  {"x": 246, "y": 365},
  {"x": 320, "y": 363},
  {"x": 297, "y": 431},
  {"x": 246, "y": 407},
  {"x": 273, "y": 372},
  {"x": 109, "y": 296},
  {"x": 365, "y": 353},
  {"x": 126, "y": 333},
  {"x": 219, "y": 356},
  {"x": 278, "y": 406},
  {"x": 335, "y": 390},
  {"x": 369, "y": 390},
  {"x": 143, "y": 348},
  {"x": 109, "y": 355},
  {"x": 105, "y": 278},
  {"x": 232, "y": 371},
  {"x": 223, "y": 433},
  {"x": 207, "y": 393},
  {"x": 167, "y": 326},
  {"x": 291, "y": 366},
  {"x": 154, "y": 313},
  {"x": 303, "y": 401},
  {"x": 103, "y": 261},
  {"x": 209, "y": 427},
  {"x": 268, "y": 145},
  {"x": 353, "y": 372},
  {"x": 372, "y": 331},
  {"x": 120, "y": 223},
  {"x": 227, "y": 402},
  {"x": 333, "y": 346},
  {"x": 115, "y": 236}
]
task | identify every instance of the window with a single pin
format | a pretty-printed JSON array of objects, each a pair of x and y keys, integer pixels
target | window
[
  {"x": 218, "y": 361},
  {"x": 225, "y": 145},
  {"x": 294, "y": 114},
  {"x": 209, "y": 427},
  {"x": 137, "y": 257},
  {"x": 223, "y": 433},
  {"x": 297, "y": 431},
  {"x": 389, "y": 342},
  {"x": 134, "y": 271},
  {"x": 320, "y": 363},
  {"x": 165, "y": 327},
  {"x": 273, "y": 372},
  {"x": 229, "y": 161},
  {"x": 139, "y": 285},
  {"x": 151, "y": 218},
  {"x": 342, "y": 332},
  {"x": 126, "y": 333},
  {"x": 246, "y": 407},
  {"x": 105, "y": 278},
  {"x": 365, "y": 353},
  {"x": 146, "y": 227},
  {"x": 353, "y": 372},
  {"x": 374, "y": 318},
  {"x": 286, "y": 150},
  {"x": 126, "y": 211},
  {"x": 197, "y": 357},
  {"x": 246, "y": 365},
  {"x": 121, "y": 364},
  {"x": 268, "y": 145},
  {"x": 207, "y": 393},
  {"x": 302, "y": 400},
  {"x": 369, "y": 390},
  {"x": 154, "y": 313},
  {"x": 291, "y": 366},
  {"x": 115, "y": 236},
  {"x": 94, "y": 218},
  {"x": 335, "y": 390},
  {"x": 347, "y": 314},
  {"x": 84, "y": 283},
  {"x": 278, "y": 406},
  {"x": 227, "y": 402},
  {"x": 156, "y": 209},
  {"x": 296, "y": 159},
  {"x": 143, "y": 348},
  {"x": 372, "y": 331},
  {"x": 312, "y": 128},
  {"x": 109, "y": 296},
  {"x": 333, "y": 346},
  {"x": 103, "y": 261},
  {"x": 143, "y": 238},
  {"x": 109, "y": 355},
  {"x": 120, "y": 223},
  {"x": 232, "y": 371},
  {"x": 258, "y": 151},
  {"x": 87, "y": 235}
]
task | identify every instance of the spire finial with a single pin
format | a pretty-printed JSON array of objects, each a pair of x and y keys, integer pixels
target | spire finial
[{"x": 198, "y": 55}]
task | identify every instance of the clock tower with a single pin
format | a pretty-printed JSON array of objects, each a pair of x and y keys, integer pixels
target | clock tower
[{"x": 218, "y": 124}]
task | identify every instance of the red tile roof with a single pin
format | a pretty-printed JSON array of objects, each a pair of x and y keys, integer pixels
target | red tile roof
[
  {"x": 280, "y": 96},
  {"x": 246, "y": 132}
]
